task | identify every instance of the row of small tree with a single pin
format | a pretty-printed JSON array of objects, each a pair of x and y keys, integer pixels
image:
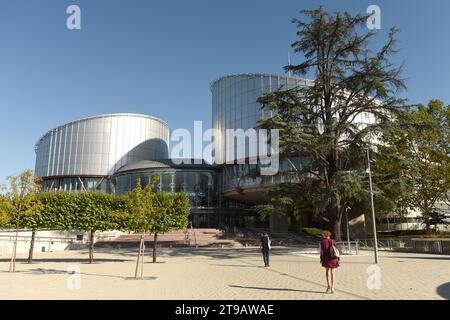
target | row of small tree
[{"x": 142, "y": 210}]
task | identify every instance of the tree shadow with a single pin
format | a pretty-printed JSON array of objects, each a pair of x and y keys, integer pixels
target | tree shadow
[
  {"x": 43, "y": 271},
  {"x": 137, "y": 279},
  {"x": 192, "y": 252},
  {"x": 275, "y": 289},
  {"x": 421, "y": 258},
  {"x": 235, "y": 265},
  {"x": 65, "y": 260},
  {"x": 222, "y": 253},
  {"x": 218, "y": 253},
  {"x": 444, "y": 290}
]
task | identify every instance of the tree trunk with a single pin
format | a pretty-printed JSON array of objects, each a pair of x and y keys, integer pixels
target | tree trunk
[
  {"x": 91, "y": 246},
  {"x": 335, "y": 223},
  {"x": 12, "y": 265},
  {"x": 30, "y": 253},
  {"x": 428, "y": 226},
  {"x": 142, "y": 258},
  {"x": 337, "y": 230},
  {"x": 155, "y": 240},
  {"x": 141, "y": 245}
]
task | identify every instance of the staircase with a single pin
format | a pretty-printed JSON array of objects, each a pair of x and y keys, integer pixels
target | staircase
[
  {"x": 239, "y": 237},
  {"x": 180, "y": 238},
  {"x": 282, "y": 239}
]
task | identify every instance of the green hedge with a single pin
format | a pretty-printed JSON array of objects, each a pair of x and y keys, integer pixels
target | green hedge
[{"x": 315, "y": 232}]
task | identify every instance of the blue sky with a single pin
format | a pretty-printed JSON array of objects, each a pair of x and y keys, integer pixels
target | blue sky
[{"x": 159, "y": 57}]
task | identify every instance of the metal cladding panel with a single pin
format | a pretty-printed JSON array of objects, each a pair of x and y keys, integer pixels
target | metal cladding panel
[{"x": 98, "y": 146}]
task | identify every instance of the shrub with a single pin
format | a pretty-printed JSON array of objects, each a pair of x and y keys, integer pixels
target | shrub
[{"x": 315, "y": 232}]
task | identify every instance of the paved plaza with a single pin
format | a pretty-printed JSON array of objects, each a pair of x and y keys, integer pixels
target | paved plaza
[{"x": 221, "y": 274}]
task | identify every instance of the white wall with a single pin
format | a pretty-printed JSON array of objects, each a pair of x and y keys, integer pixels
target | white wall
[{"x": 48, "y": 240}]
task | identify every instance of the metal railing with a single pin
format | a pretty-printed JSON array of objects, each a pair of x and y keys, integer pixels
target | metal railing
[
  {"x": 346, "y": 247},
  {"x": 383, "y": 244},
  {"x": 36, "y": 239},
  {"x": 438, "y": 246},
  {"x": 106, "y": 236},
  {"x": 435, "y": 246},
  {"x": 432, "y": 246},
  {"x": 349, "y": 247}
]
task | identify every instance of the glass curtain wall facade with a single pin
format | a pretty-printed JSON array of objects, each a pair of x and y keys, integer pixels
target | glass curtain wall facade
[
  {"x": 200, "y": 183},
  {"x": 240, "y": 175},
  {"x": 76, "y": 183},
  {"x": 235, "y": 106}
]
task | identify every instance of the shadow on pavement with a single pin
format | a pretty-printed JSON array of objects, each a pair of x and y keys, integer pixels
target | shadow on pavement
[
  {"x": 42, "y": 271},
  {"x": 421, "y": 257},
  {"x": 276, "y": 289},
  {"x": 235, "y": 265},
  {"x": 140, "y": 279},
  {"x": 214, "y": 253},
  {"x": 444, "y": 290},
  {"x": 65, "y": 260}
]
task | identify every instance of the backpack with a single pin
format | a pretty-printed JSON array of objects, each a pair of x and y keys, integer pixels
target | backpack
[{"x": 334, "y": 251}]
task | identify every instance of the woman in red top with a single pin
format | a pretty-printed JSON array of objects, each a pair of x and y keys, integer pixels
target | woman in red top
[{"x": 328, "y": 262}]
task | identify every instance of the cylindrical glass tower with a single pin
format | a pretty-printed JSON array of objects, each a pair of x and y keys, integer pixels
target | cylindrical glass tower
[{"x": 235, "y": 106}]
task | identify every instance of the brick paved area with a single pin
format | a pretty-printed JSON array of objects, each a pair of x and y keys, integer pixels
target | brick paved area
[{"x": 223, "y": 274}]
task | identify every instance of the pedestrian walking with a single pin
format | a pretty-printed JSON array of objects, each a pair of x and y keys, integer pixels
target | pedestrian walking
[
  {"x": 329, "y": 258},
  {"x": 265, "y": 248}
]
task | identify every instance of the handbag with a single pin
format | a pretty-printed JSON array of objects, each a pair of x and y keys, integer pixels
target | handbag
[
  {"x": 334, "y": 251},
  {"x": 268, "y": 243}
]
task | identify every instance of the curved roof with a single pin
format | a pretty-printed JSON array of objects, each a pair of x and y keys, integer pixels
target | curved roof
[
  {"x": 101, "y": 116},
  {"x": 256, "y": 74},
  {"x": 164, "y": 164}
]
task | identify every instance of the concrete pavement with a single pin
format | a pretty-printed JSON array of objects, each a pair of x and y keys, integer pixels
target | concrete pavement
[{"x": 223, "y": 274}]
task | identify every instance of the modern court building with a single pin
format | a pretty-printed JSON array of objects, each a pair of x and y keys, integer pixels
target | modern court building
[{"x": 109, "y": 152}]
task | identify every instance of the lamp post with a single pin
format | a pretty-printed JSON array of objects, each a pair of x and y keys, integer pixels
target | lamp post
[
  {"x": 348, "y": 230},
  {"x": 375, "y": 247}
]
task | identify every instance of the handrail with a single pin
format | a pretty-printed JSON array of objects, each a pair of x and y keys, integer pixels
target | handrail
[
  {"x": 414, "y": 244},
  {"x": 38, "y": 238},
  {"x": 348, "y": 246}
]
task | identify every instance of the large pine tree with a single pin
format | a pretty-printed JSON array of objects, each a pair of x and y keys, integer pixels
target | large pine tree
[{"x": 319, "y": 122}]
